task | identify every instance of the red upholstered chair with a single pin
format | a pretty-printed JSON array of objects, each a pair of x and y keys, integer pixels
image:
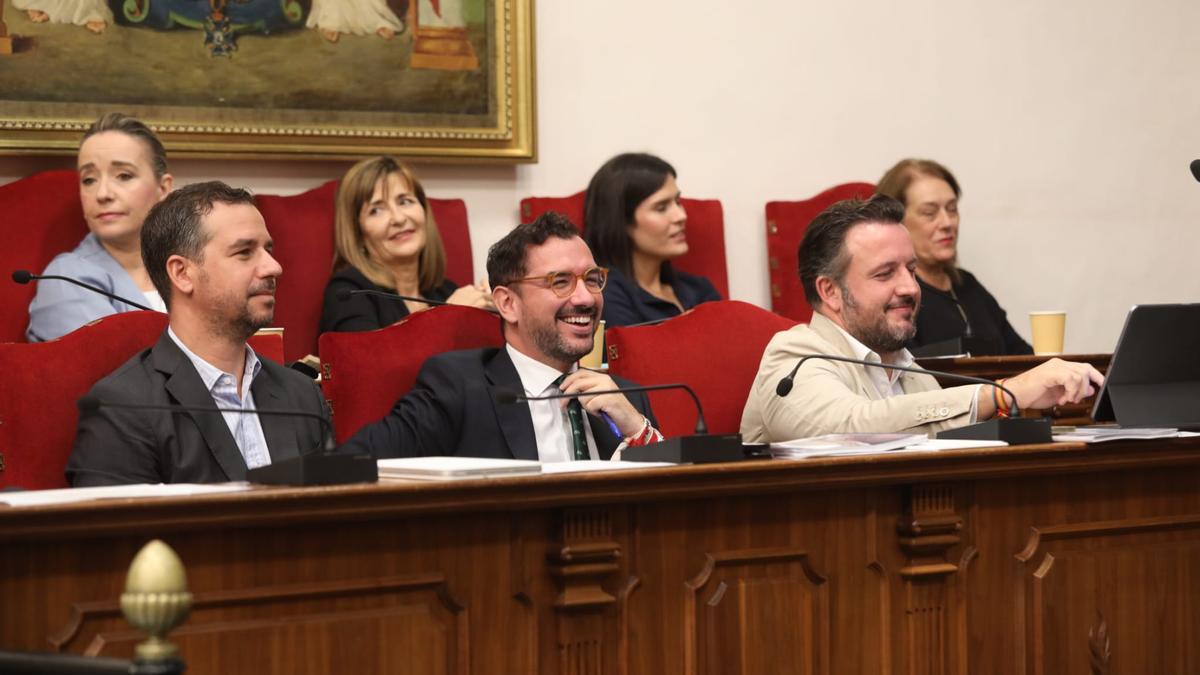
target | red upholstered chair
[
  {"x": 364, "y": 373},
  {"x": 302, "y": 229},
  {"x": 571, "y": 207},
  {"x": 451, "y": 218},
  {"x": 42, "y": 218},
  {"x": 715, "y": 348},
  {"x": 786, "y": 224},
  {"x": 706, "y": 233},
  {"x": 43, "y": 381}
]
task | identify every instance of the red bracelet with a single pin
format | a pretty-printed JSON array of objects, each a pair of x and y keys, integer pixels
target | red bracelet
[{"x": 998, "y": 397}]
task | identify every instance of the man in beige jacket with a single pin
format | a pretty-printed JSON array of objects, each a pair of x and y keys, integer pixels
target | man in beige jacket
[{"x": 857, "y": 266}]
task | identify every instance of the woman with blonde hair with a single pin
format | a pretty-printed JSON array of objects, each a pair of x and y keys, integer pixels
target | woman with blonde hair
[
  {"x": 954, "y": 305},
  {"x": 386, "y": 240},
  {"x": 122, "y": 175}
]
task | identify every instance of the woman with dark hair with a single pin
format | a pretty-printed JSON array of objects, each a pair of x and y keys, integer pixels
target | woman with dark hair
[
  {"x": 386, "y": 240},
  {"x": 122, "y": 174},
  {"x": 635, "y": 225},
  {"x": 953, "y": 302}
]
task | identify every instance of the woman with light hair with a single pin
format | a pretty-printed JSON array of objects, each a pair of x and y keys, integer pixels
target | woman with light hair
[
  {"x": 386, "y": 240},
  {"x": 954, "y": 305}
]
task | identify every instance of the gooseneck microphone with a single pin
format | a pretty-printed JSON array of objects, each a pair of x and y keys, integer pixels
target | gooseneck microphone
[
  {"x": 1015, "y": 430},
  {"x": 345, "y": 294},
  {"x": 24, "y": 277},
  {"x": 507, "y": 396},
  {"x": 1196, "y": 169},
  {"x": 700, "y": 448},
  {"x": 321, "y": 465}
]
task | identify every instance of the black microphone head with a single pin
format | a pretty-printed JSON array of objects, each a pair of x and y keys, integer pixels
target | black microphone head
[
  {"x": 88, "y": 403},
  {"x": 505, "y": 396},
  {"x": 784, "y": 387},
  {"x": 343, "y": 294},
  {"x": 24, "y": 277},
  {"x": 1196, "y": 169}
]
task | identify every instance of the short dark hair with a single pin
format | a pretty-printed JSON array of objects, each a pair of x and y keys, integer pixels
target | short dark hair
[
  {"x": 506, "y": 258},
  {"x": 173, "y": 227},
  {"x": 823, "y": 249},
  {"x": 131, "y": 126},
  {"x": 613, "y": 195}
]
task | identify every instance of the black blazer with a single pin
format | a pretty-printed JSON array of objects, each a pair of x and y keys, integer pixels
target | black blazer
[
  {"x": 115, "y": 446},
  {"x": 452, "y": 410},
  {"x": 939, "y": 319},
  {"x": 367, "y": 312},
  {"x": 626, "y": 303}
]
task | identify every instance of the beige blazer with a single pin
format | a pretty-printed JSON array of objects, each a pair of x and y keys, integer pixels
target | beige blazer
[{"x": 831, "y": 397}]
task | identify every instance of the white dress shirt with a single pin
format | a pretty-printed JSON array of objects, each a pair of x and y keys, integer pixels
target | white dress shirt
[
  {"x": 551, "y": 426},
  {"x": 246, "y": 428}
]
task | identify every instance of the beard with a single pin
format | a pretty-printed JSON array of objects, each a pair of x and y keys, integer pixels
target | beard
[
  {"x": 873, "y": 330},
  {"x": 231, "y": 316},
  {"x": 552, "y": 343}
]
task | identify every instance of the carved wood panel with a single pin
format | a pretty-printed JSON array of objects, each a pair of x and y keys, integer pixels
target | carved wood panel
[
  {"x": 1113, "y": 596},
  {"x": 402, "y": 624},
  {"x": 583, "y": 561},
  {"x": 756, "y": 611}
]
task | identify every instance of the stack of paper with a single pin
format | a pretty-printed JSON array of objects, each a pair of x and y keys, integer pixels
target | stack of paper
[
  {"x": 1099, "y": 434},
  {"x": 831, "y": 445},
  {"x": 455, "y": 468}
]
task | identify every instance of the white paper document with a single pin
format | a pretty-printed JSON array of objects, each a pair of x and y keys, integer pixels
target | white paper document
[
  {"x": 1100, "y": 434},
  {"x": 454, "y": 468},
  {"x": 598, "y": 465},
  {"x": 841, "y": 445},
  {"x": 139, "y": 491}
]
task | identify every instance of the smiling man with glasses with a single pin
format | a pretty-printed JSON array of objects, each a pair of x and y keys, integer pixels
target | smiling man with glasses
[{"x": 547, "y": 288}]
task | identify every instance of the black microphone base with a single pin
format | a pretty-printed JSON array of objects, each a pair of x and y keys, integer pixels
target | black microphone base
[
  {"x": 689, "y": 450},
  {"x": 318, "y": 469},
  {"x": 1013, "y": 430}
]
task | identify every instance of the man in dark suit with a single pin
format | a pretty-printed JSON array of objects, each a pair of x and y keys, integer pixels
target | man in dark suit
[
  {"x": 208, "y": 254},
  {"x": 547, "y": 289}
]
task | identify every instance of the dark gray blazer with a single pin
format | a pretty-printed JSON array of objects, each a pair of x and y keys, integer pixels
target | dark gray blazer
[
  {"x": 115, "y": 446},
  {"x": 452, "y": 410}
]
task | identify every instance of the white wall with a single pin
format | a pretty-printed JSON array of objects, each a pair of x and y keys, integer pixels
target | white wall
[{"x": 1070, "y": 125}]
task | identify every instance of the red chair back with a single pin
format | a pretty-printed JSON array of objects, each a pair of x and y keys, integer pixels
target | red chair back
[
  {"x": 363, "y": 374},
  {"x": 715, "y": 348},
  {"x": 43, "y": 381},
  {"x": 705, "y": 230},
  {"x": 451, "y": 218},
  {"x": 786, "y": 225},
  {"x": 302, "y": 229},
  {"x": 43, "y": 218}
]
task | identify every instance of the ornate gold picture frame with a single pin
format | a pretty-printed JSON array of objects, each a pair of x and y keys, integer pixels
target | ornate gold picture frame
[{"x": 313, "y": 79}]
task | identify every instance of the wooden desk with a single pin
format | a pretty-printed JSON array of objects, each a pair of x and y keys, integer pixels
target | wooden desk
[
  {"x": 996, "y": 367},
  {"x": 1039, "y": 559}
]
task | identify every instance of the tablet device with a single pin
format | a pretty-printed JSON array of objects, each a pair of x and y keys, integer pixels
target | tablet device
[{"x": 1154, "y": 376}]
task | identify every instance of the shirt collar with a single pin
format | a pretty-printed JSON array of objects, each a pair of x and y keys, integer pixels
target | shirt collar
[
  {"x": 535, "y": 376},
  {"x": 209, "y": 373}
]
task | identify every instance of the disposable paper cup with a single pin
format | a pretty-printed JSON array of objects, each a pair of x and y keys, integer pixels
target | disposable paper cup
[
  {"x": 1048, "y": 331},
  {"x": 595, "y": 358}
]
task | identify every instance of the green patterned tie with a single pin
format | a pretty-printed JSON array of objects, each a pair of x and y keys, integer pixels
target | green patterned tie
[{"x": 575, "y": 415}]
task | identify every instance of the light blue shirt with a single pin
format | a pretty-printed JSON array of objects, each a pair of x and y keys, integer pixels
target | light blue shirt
[
  {"x": 245, "y": 427},
  {"x": 60, "y": 307}
]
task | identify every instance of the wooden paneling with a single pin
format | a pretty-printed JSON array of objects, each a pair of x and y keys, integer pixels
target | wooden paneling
[{"x": 1039, "y": 559}]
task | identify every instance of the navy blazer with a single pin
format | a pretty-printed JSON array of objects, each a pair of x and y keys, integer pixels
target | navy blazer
[
  {"x": 452, "y": 410},
  {"x": 626, "y": 303},
  {"x": 115, "y": 446},
  {"x": 367, "y": 312}
]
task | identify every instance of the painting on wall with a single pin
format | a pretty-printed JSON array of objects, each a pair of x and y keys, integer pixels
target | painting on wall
[{"x": 438, "y": 79}]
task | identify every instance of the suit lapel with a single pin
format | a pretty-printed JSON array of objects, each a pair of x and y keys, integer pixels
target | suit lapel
[
  {"x": 280, "y": 431},
  {"x": 829, "y": 331},
  {"x": 514, "y": 419},
  {"x": 186, "y": 388}
]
